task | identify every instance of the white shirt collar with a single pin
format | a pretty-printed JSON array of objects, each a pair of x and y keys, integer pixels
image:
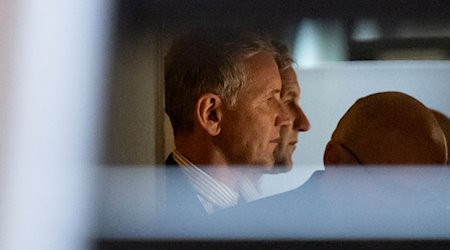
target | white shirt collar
[{"x": 212, "y": 193}]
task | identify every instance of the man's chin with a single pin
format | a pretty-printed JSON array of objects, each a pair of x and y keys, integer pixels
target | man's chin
[
  {"x": 282, "y": 165},
  {"x": 265, "y": 165}
]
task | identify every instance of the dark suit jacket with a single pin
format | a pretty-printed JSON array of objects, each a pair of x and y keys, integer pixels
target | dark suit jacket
[
  {"x": 343, "y": 204},
  {"x": 270, "y": 217}
]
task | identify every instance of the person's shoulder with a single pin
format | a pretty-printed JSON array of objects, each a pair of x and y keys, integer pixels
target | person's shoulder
[{"x": 282, "y": 203}]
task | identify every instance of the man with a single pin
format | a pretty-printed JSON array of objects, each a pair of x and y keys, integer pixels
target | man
[
  {"x": 290, "y": 95},
  {"x": 222, "y": 90},
  {"x": 387, "y": 128}
]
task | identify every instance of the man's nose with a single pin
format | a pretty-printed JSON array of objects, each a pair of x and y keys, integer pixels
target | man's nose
[{"x": 301, "y": 122}]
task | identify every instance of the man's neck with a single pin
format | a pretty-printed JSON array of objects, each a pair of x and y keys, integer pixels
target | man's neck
[{"x": 209, "y": 159}]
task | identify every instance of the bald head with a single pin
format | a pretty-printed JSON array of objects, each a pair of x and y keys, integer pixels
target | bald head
[{"x": 387, "y": 128}]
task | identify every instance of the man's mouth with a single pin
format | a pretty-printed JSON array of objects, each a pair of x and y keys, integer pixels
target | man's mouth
[{"x": 293, "y": 143}]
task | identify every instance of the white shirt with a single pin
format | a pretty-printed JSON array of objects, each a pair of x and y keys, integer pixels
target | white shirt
[{"x": 213, "y": 194}]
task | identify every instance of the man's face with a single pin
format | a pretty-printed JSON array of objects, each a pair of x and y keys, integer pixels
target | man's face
[
  {"x": 251, "y": 129},
  {"x": 290, "y": 95}
]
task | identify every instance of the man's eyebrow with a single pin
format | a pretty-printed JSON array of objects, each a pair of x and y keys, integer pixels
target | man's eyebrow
[
  {"x": 291, "y": 93},
  {"x": 274, "y": 91}
]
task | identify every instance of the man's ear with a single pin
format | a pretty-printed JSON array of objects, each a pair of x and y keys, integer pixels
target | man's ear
[
  {"x": 336, "y": 154},
  {"x": 208, "y": 111}
]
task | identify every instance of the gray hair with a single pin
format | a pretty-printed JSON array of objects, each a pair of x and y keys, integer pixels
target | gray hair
[
  {"x": 207, "y": 61},
  {"x": 283, "y": 55}
]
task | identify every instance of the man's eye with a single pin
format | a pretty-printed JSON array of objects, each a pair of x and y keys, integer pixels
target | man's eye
[
  {"x": 273, "y": 97},
  {"x": 288, "y": 101}
]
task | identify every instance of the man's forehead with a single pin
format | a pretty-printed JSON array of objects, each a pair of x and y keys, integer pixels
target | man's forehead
[
  {"x": 260, "y": 60},
  {"x": 262, "y": 67}
]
